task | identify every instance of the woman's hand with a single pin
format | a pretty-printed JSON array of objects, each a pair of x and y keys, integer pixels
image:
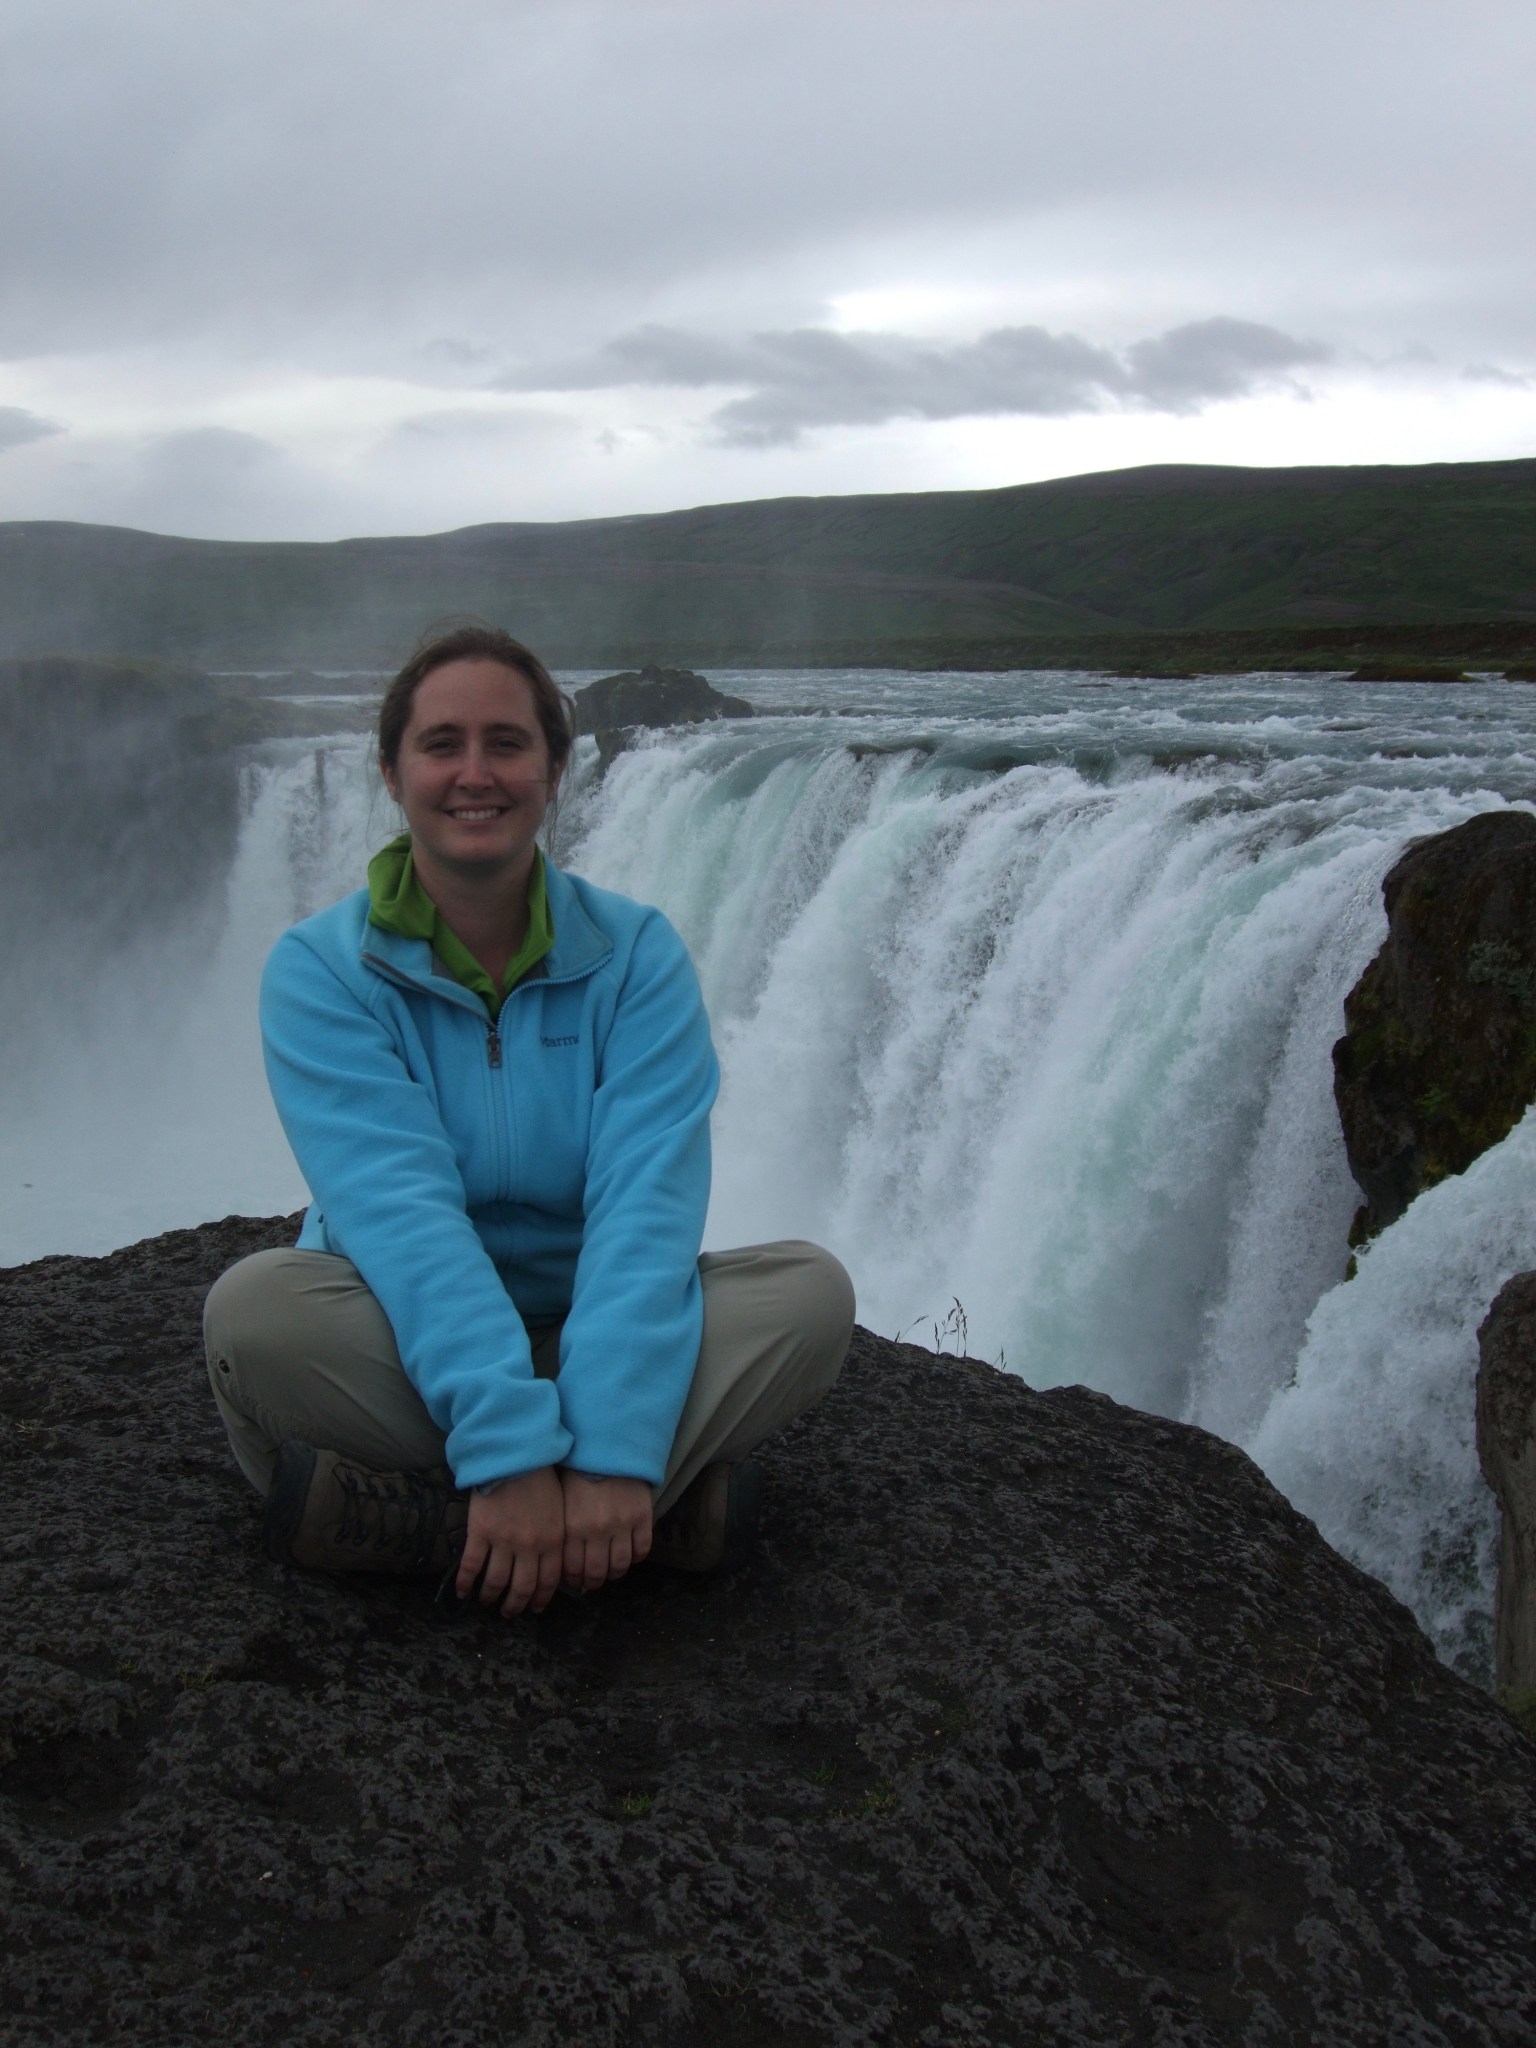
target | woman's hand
[
  {"x": 515, "y": 1542},
  {"x": 607, "y": 1527}
]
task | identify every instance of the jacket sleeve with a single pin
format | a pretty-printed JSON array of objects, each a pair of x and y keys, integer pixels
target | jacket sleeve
[
  {"x": 631, "y": 1340},
  {"x": 370, "y": 1142}
]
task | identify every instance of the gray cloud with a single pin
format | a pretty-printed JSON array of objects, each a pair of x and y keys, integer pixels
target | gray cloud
[
  {"x": 219, "y": 213},
  {"x": 1490, "y": 373},
  {"x": 283, "y": 184},
  {"x": 478, "y": 428},
  {"x": 18, "y": 426},
  {"x": 810, "y": 377},
  {"x": 1193, "y": 366}
]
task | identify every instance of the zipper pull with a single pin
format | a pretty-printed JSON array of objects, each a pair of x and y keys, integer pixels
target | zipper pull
[{"x": 493, "y": 1047}]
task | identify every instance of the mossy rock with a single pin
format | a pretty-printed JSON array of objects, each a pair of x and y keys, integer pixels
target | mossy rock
[{"x": 1438, "y": 1058}]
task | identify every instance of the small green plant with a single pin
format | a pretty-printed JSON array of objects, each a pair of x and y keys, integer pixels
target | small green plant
[
  {"x": 823, "y": 1773},
  {"x": 128, "y": 1667},
  {"x": 879, "y": 1799},
  {"x": 636, "y": 1805},
  {"x": 1434, "y": 1101},
  {"x": 200, "y": 1681},
  {"x": 1519, "y": 1702}
]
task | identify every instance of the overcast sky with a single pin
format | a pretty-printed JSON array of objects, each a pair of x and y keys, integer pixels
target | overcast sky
[{"x": 325, "y": 267}]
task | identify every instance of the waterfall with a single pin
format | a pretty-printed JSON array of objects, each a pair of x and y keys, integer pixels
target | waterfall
[
  {"x": 146, "y": 1109},
  {"x": 1052, "y": 1040},
  {"x": 1027, "y": 1007},
  {"x": 1373, "y": 1433}
]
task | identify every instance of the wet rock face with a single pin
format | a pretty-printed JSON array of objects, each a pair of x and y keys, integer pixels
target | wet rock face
[
  {"x": 612, "y": 707},
  {"x": 1506, "y": 1448},
  {"x": 1036, "y": 1721},
  {"x": 1438, "y": 1058}
]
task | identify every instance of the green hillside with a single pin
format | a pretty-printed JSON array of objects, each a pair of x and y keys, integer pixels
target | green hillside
[{"x": 1350, "y": 559}]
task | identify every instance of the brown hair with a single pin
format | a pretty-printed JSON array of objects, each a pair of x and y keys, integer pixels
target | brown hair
[{"x": 478, "y": 642}]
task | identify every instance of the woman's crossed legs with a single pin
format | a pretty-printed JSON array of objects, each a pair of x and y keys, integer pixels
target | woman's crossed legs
[{"x": 299, "y": 1348}]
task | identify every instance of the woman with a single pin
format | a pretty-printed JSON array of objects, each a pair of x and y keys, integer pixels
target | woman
[{"x": 496, "y": 1330}]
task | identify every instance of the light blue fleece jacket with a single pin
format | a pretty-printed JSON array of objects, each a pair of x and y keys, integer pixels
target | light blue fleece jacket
[{"x": 486, "y": 1177}]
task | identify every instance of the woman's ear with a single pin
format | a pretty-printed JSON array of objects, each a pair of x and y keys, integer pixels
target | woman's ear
[{"x": 387, "y": 777}]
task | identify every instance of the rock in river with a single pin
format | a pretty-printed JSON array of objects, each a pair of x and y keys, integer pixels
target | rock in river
[
  {"x": 614, "y": 707},
  {"x": 1036, "y": 1720}
]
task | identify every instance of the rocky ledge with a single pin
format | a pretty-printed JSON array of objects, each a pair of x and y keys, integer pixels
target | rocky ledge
[{"x": 1037, "y": 1721}]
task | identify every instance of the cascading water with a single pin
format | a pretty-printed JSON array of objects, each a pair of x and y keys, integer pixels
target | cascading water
[
  {"x": 1036, "y": 1014},
  {"x": 1027, "y": 1002},
  {"x": 147, "y": 1107}
]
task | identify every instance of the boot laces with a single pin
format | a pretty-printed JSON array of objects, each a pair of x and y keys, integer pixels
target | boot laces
[{"x": 391, "y": 1512}]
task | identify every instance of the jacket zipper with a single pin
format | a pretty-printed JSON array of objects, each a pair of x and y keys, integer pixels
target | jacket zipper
[{"x": 493, "y": 1033}]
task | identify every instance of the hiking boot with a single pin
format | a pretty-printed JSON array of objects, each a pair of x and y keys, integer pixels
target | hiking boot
[
  {"x": 335, "y": 1515},
  {"x": 712, "y": 1526}
]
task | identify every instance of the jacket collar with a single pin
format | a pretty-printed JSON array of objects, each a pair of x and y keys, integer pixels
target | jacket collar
[
  {"x": 581, "y": 944},
  {"x": 580, "y": 947}
]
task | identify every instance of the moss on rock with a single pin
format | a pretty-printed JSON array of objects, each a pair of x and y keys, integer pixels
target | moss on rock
[{"x": 1438, "y": 1058}]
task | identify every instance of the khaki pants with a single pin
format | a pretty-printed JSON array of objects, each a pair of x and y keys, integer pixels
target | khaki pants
[{"x": 299, "y": 1347}]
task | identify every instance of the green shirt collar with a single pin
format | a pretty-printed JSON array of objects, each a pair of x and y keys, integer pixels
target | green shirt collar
[{"x": 397, "y": 902}]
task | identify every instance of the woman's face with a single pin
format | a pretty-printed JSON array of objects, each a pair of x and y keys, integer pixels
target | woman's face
[{"x": 473, "y": 773}]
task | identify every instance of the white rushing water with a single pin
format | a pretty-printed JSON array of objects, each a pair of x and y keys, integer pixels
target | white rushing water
[{"x": 1025, "y": 992}]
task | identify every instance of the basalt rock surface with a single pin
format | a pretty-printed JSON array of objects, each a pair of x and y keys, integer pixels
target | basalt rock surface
[
  {"x": 1438, "y": 1058},
  {"x": 1036, "y": 1720}
]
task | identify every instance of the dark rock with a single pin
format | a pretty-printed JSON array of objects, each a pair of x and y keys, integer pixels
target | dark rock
[
  {"x": 1406, "y": 672},
  {"x": 1155, "y": 675},
  {"x": 1506, "y": 1448},
  {"x": 1438, "y": 1059},
  {"x": 879, "y": 750},
  {"x": 615, "y": 706},
  {"x": 1036, "y": 1721}
]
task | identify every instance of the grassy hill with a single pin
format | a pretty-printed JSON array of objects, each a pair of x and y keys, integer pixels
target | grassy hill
[{"x": 1172, "y": 563}]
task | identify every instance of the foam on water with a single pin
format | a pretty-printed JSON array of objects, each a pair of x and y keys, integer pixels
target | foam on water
[{"x": 1374, "y": 1435}]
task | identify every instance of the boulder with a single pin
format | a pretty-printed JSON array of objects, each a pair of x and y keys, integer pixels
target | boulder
[
  {"x": 1438, "y": 1057},
  {"x": 614, "y": 706},
  {"x": 1506, "y": 1448},
  {"x": 1035, "y": 1720}
]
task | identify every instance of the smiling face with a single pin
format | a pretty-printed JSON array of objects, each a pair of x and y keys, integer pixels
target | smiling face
[{"x": 473, "y": 772}]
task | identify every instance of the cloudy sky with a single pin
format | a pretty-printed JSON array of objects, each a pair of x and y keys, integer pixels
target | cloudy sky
[{"x": 327, "y": 267}]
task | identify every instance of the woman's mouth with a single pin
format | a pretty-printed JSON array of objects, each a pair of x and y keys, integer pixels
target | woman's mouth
[{"x": 474, "y": 817}]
